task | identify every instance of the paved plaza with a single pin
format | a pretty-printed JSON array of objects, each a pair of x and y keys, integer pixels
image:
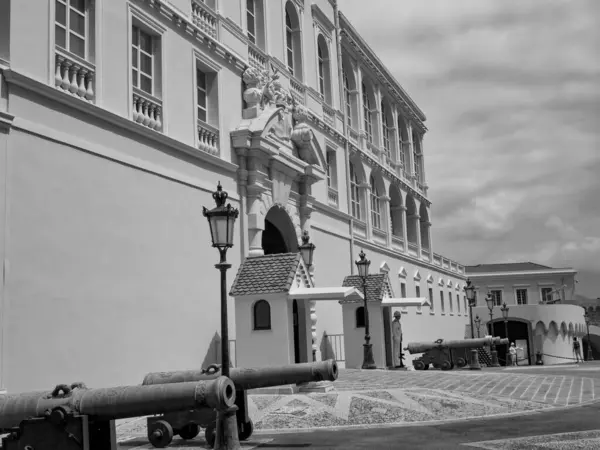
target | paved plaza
[{"x": 365, "y": 401}]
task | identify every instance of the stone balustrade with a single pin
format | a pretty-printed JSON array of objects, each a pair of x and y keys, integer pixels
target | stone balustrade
[
  {"x": 379, "y": 236},
  {"x": 413, "y": 250},
  {"x": 74, "y": 76},
  {"x": 359, "y": 228},
  {"x": 298, "y": 90},
  {"x": 425, "y": 254},
  {"x": 147, "y": 110},
  {"x": 328, "y": 115},
  {"x": 208, "y": 139},
  {"x": 256, "y": 57},
  {"x": 332, "y": 197},
  {"x": 204, "y": 18},
  {"x": 397, "y": 243}
]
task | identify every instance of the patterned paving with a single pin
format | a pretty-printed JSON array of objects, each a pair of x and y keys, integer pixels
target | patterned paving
[
  {"x": 368, "y": 398},
  {"x": 581, "y": 440}
]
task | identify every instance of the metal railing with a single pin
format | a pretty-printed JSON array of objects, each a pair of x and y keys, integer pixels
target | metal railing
[{"x": 333, "y": 348}]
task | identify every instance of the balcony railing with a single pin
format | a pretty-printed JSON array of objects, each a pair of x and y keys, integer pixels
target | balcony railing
[
  {"x": 359, "y": 228},
  {"x": 332, "y": 197},
  {"x": 379, "y": 236},
  {"x": 204, "y": 18},
  {"x": 413, "y": 249},
  {"x": 256, "y": 57},
  {"x": 328, "y": 115},
  {"x": 397, "y": 243},
  {"x": 74, "y": 76},
  {"x": 437, "y": 259},
  {"x": 424, "y": 254},
  {"x": 147, "y": 110},
  {"x": 208, "y": 138},
  {"x": 297, "y": 90}
]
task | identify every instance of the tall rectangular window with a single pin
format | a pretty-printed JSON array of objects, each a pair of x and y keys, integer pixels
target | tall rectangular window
[
  {"x": 418, "y": 295},
  {"x": 450, "y": 302},
  {"x": 289, "y": 43},
  {"x": 403, "y": 290},
  {"x": 251, "y": 20},
  {"x": 71, "y": 26},
  {"x": 354, "y": 193},
  {"x": 442, "y": 301},
  {"x": 321, "y": 68},
  {"x": 386, "y": 129},
  {"x": 521, "y": 296},
  {"x": 348, "y": 97},
  {"x": 432, "y": 306},
  {"x": 546, "y": 294},
  {"x": 375, "y": 206},
  {"x": 458, "y": 303},
  {"x": 201, "y": 96},
  {"x": 367, "y": 113},
  {"x": 142, "y": 60},
  {"x": 497, "y": 296}
]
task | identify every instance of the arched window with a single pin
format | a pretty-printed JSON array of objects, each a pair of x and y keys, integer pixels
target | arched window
[
  {"x": 360, "y": 317},
  {"x": 262, "y": 315},
  {"x": 354, "y": 193},
  {"x": 417, "y": 155},
  {"x": 348, "y": 98},
  {"x": 386, "y": 129},
  {"x": 292, "y": 41},
  {"x": 375, "y": 206},
  {"x": 255, "y": 22},
  {"x": 324, "y": 71},
  {"x": 367, "y": 114}
]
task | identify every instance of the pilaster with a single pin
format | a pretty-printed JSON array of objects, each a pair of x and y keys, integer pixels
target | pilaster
[
  {"x": 410, "y": 157},
  {"x": 386, "y": 218},
  {"x": 365, "y": 188}
]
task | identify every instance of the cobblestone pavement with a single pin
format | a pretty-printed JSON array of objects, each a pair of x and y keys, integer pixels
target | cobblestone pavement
[{"x": 363, "y": 398}]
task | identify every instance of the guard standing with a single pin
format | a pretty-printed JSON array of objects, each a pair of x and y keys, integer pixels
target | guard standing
[{"x": 397, "y": 337}]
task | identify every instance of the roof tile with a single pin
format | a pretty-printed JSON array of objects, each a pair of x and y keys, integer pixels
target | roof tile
[
  {"x": 268, "y": 274},
  {"x": 377, "y": 284}
]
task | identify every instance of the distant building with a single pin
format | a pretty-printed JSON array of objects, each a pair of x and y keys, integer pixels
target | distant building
[{"x": 542, "y": 316}]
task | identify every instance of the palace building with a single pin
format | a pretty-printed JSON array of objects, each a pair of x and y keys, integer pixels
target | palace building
[{"x": 118, "y": 118}]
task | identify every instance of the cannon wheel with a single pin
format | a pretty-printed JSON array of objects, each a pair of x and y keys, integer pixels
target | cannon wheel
[
  {"x": 446, "y": 365},
  {"x": 419, "y": 365},
  {"x": 245, "y": 430},
  {"x": 189, "y": 431},
  {"x": 425, "y": 366},
  {"x": 160, "y": 434},
  {"x": 460, "y": 362},
  {"x": 210, "y": 434}
]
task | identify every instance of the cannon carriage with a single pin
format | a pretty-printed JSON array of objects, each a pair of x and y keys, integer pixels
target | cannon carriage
[
  {"x": 446, "y": 355},
  {"x": 187, "y": 423}
]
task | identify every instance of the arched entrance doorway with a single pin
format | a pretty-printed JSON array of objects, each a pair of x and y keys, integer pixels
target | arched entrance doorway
[
  {"x": 519, "y": 332},
  {"x": 279, "y": 235}
]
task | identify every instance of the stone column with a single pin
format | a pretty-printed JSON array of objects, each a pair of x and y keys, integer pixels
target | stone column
[
  {"x": 386, "y": 218},
  {"x": 404, "y": 227},
  {"x": 427, "y": 225},
  {"x": 365, "y": 188},
  {"x": 415, "y": 219},
  {"x": 378, "y": 139},
  {"x": 410, "y": 160},
  {"x": 423, "y": 178},
  {"x": 256, "y": 223},
  {"x": 362, "y": 142}
]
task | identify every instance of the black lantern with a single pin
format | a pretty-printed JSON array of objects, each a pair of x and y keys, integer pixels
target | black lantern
[
  {"x": 490, "y": 301},
  {"x": 470, "y": 292},
  {"x": 221, "y": 220},
  {"x": 477, "y": 321},
  {"x": 504, "y": 310},
  {"x": 363, "y": 264},
  {"x": 307, "y": 249}
]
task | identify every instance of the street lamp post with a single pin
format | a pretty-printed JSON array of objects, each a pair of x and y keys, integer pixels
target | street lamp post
[
  {"x": 221, "y": 221},
  {"x": 490, "y": 304},
  {"x": 363, "y": 271},
  {"x": 587, "y": 318},
  {"x": 504, "y": 310},
  {"x": 477, "y": 324},
  {"x": 306, "y": 250},
  {"x": 470, "y": 294}
]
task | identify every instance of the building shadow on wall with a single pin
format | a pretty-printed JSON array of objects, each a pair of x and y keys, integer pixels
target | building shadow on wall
[{"x": 327, "y": 351}]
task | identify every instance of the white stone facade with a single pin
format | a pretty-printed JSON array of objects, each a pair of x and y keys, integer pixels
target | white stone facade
[{"x": 115, "y": 129}]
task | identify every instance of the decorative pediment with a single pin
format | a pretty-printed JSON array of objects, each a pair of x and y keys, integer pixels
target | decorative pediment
[
  {"x": 384, "y": 268},
  {"x": 449, "y": 283},
  {"x": 429, "y": 278},
  {"x": 402, "y": 272},
  {"x": 441, "y": 282},
  {"x": 457, "y": 287},
  {"x": 417, "y": 276}
]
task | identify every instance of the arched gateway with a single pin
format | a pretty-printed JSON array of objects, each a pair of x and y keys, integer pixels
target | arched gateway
[{"x": 279, "y": 235}]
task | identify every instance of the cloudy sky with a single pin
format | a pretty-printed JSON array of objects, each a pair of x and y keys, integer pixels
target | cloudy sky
[{"x": 511, "y": 90}]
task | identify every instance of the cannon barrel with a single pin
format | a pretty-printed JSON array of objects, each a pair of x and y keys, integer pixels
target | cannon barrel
[
  {"x": 421, "y": 347},
  {"x": 118, "y": 402},
  {"x": 254, "y": 378}
]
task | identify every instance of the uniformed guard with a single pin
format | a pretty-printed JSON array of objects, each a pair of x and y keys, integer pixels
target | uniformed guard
[{"x": 397, "y": 337}]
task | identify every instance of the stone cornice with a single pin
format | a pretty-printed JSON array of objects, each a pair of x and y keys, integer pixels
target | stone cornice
[
  {"x": 182, "y": 22},
  {"x": 521, "y": 274},
  {"x": 367, "y": 56},
  {"x": 321, "y": 18},
  {"x": 6, "y": 121},
  {"x": 53, "y": 94}
]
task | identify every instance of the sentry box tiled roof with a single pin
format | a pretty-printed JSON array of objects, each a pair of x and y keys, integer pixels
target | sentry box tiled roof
[
  {"x": 269, "y": 274},
  {"x": 378, "y": 286}
]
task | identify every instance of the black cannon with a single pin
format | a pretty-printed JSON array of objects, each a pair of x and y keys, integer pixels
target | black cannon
[
  {"x": 188, "y": 423},
  {"x": 447, "y": 354},
  {"x": 77, "y": 418}
]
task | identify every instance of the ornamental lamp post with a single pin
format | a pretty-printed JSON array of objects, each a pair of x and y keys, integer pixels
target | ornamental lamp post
[
  {"x": 307, "y": 250},
  {"x": 504, "y": 310},
  {"x": 362, "y": 265},
  {"x": 587, "y": 318},
  {"x": 477, "y": 324},
  {"x": 221, "y": 221},
  {"x": 470, "y": 294},
  {"x": 490, "y": 304}
]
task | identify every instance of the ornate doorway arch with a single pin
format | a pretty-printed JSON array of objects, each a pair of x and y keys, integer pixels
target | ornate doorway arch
[{"x": 279, "y": 235}]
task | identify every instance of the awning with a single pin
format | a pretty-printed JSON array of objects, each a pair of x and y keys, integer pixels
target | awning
[
  {"x": 326, "y": 293},
  {"x": 415, "y": 301}
]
